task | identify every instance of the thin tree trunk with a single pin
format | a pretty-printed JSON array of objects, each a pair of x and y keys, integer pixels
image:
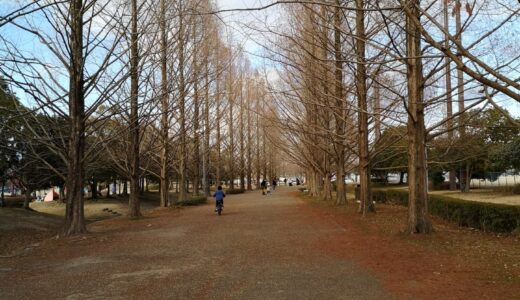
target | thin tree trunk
[
  {"x": 418, "y": 220},
  {"x": 125, "y": 187},
  {"x": 340, "y": 106},
  {"x": 2, "y": 196},
  {"x": 27, "y": 199},
  {"x": 366, "y": 204},
  {"x": 134, "y": 209},
  {"x": 74, "y": 213},
  {"x": 182, "y": 111},
  {"x": 241, "y": 133},
  {"x": 196, "y": 133},
  {"x": 449, "y": 104},
  {"x": 164, "y": 174},
  {"x": 94, "y": 188},
  {"x": 231, "y": 134},
  {"x": 217, "y": 104},
  {"x": 207, "y": 129},
  {"x": 249, "y": 139},
  {"x": 258, "y": 170},
  {"x": 463, "y": 178}
]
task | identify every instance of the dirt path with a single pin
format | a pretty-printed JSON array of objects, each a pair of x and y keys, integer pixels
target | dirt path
[{"x": 262, "y": 247}]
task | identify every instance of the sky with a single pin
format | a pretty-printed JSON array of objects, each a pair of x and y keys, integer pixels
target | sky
[{"x": 236, "y": 25}]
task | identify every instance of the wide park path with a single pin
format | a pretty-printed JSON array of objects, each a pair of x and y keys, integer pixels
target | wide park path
[{"x": 262, "y": 247}]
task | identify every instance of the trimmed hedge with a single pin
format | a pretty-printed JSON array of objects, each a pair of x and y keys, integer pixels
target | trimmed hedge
[
  {"x": 480, "y": 215},
  {"x": 193, "y": 201},
  {"x": 235, "y": 191}
]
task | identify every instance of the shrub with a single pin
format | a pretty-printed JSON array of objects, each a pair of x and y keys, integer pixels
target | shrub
[
  {"x": 510, "y": 189},
  {"x": 480, "y": 215},
  {"x": 235, "y": 191},
  {"x": 484, "y": 216},
  {"x": 193, "y": 201}
]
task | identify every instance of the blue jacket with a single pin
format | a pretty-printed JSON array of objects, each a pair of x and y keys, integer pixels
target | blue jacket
[{"x": 219, "y": 195}]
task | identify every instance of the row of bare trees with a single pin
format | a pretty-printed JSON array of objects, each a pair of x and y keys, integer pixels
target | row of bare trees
[
  {"x": 140, "y": 88},
  {"x": 353, "y": 69}
]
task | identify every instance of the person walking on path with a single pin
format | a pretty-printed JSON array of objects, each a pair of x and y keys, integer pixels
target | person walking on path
[
  {"x": 263, "y": 185},
  {"x": 274, "y": 184},
  {"x": 219, "y": 197}
]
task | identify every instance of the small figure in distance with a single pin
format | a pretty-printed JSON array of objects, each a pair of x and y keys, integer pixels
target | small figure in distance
[
  {"x": 263, "y": 186},
  {"x": 219, "y": 197},
  {"x": 285, "y": 181},
  {"x": 274, "y": 184}
]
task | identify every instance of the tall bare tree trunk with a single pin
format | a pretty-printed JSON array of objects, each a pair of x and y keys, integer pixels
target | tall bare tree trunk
[
  {"x": 418, "y": 220},
  {"x": 366, "y": 204},
  {"x": 449, "y": 108},
  {"x": 340, "y": 109},
  {"x": 241, "y": 133},
  {"x": 196, "y": 133},
  {"x": 218, "y": 113},
  {"x": 164, "y": 175},
  {"x": 74, "y": 213},
  {"x": 231, "y": 103},
  {"x": 377, "y": 108},
  {"x": 182, "y": 111},
  {"x": 249, "y": 139},
  {"x": 463, "y": 177},
  {"x": 27, "y": 199},
  {"x": 258, "y": 170},
  {"x": 134, "y": 209},
  {"x": 207, "y": 129}
]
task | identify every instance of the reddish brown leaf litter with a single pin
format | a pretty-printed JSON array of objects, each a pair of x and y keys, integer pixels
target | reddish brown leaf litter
[
  {"x": 264, "y": 247},
  {"x": 452, "y": 263}
]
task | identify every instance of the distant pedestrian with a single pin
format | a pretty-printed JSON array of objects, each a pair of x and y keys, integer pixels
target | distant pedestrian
[
  {"x": 285, "y": 181},
  {"x": 274, "y": 184},
  {"x": 263, "y": 186}
]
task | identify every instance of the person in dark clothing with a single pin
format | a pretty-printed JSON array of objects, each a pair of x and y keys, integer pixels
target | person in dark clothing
[
  {"x": 263, "y": 185},
  {"x": 274, "y": 184},
  {"x": 219, "y": 197}
]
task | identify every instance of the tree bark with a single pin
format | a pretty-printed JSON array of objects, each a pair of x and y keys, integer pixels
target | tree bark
[
  {"x": 464, "y": 180},
  {"x": 94, "y": 188},
  {"x": 74, "y": 213},
  {"x": 366, "y": 204},
  {"x": 231, "y": 161},
  {"x": 340, "y": 107},
  {"x": 2, "y": 196},
  {"x": 27, "y": 199},
  {"x": 249, "y": 139},
  {"x": 207, "y": 129},
  {"x": 258, "y": 170},
  {"x": 182, "y": 112},
  {"x": 218, "y": 113},
  {"x": 241, "y": 133},
  {"x": 164, "y": 179},
  {"x": 196, "y": 133},
  {"x": 134, "y": 209},
  {"x": 449, "y": 104},
  {"x": 418, "y": 220}
]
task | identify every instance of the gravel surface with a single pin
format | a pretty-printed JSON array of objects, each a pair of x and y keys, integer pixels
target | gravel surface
[{"x": 262, "y": 247}]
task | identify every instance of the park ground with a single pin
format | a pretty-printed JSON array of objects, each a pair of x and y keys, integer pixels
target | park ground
[{"x": 282, "y": 246}]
